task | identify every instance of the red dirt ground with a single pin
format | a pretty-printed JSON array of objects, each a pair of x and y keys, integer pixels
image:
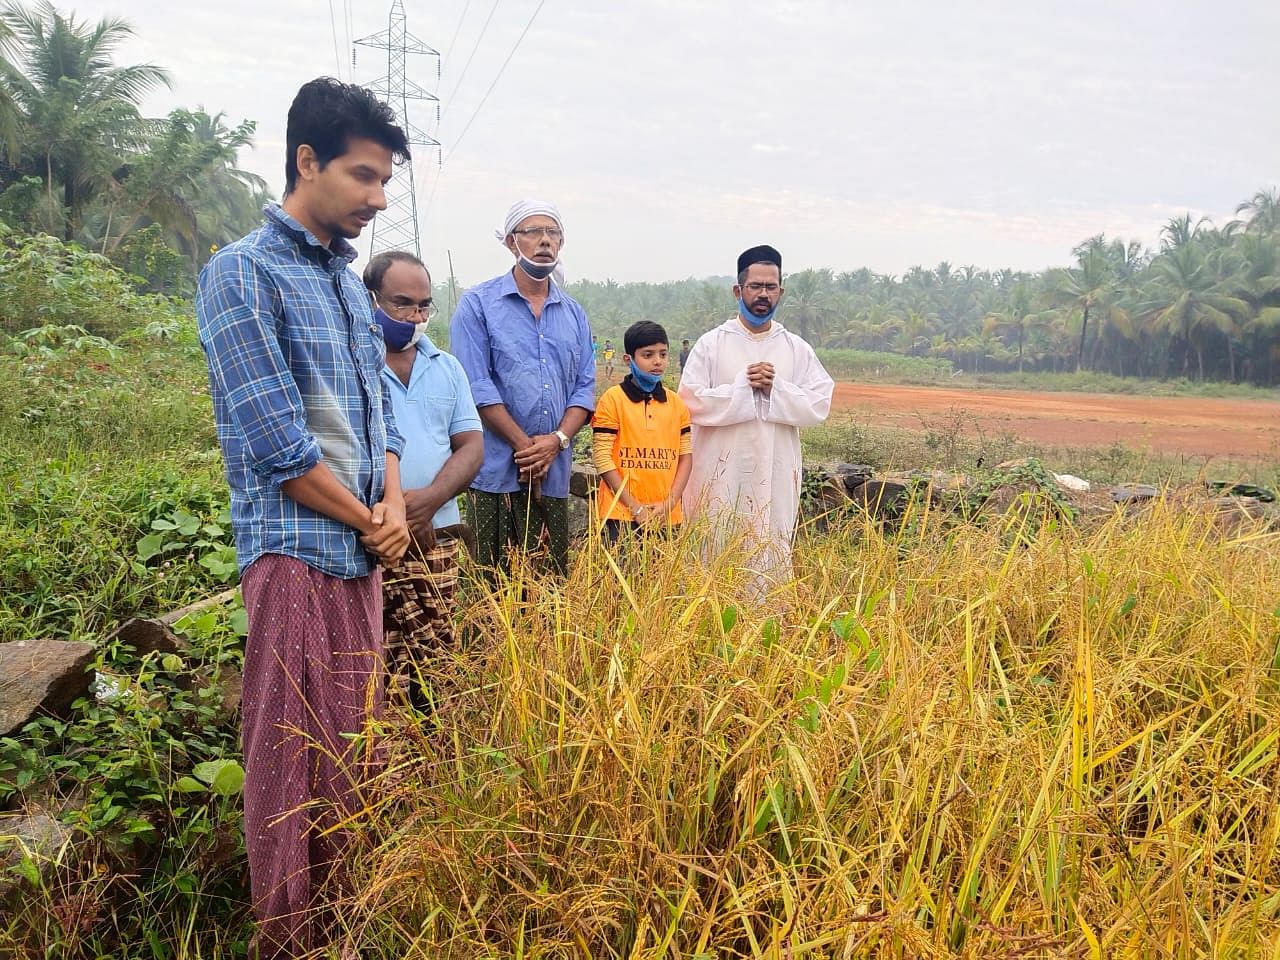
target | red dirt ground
[{"x": 1189, "y": 425}]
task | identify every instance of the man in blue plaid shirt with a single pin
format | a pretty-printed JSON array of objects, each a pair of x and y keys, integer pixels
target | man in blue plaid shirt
[{"x": 312, "y": 458}]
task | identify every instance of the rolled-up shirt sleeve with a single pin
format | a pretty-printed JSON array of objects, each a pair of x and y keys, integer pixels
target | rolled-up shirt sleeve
[
  {"x": 583, "y": 393},
  {"x": 237, "y": 310},
  {"x": 469, "y": 343}
]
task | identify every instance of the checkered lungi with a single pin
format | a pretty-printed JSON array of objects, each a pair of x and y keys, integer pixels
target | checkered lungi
[{"x": 417, "y": 610}]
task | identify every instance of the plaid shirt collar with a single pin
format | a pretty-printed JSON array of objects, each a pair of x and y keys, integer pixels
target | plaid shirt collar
[{"x": 340, "y": 249}]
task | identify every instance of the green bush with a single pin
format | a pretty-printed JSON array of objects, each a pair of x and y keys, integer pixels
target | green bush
[
  {"x": 45, "y": 282},
  {"x": 889, "y": 367}
]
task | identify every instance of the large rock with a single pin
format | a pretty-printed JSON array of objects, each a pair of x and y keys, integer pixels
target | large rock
[
  {"x": 40, "y": 676},
  {"x": 38, "y": 838},
  {"x": 583, "y": 480},
  {"x": 146, "y": 636},
  {"x": 883, "y": 500}
]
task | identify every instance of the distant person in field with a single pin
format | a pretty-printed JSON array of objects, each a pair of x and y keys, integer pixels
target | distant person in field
[
  {"x": 526, "y": 348},
  {"x": 313, "y": 461},
  {"x": 640, "y": 437},
  {"x": 684, "y": 354},
  {"x": 609, "y": 356},
  {"x": 750, "y": 386},
  {"x": 595, "y": 349},
  {"x": 443, "y": 450}
]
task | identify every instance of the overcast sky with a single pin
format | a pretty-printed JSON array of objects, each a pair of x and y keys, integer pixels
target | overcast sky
[{"x": 848, "y": 134}]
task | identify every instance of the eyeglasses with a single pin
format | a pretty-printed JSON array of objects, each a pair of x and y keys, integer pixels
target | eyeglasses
[
  {"x": 427, "y": 310},
  {"x": 554, "y": 234},
  {"x": 754, "y": 288}
]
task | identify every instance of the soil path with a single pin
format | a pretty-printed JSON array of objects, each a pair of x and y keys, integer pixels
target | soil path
[{"x": 1189, "y": 425}]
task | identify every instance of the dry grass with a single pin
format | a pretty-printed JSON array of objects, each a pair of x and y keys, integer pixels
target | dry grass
[{"x": 935, "y": 744}]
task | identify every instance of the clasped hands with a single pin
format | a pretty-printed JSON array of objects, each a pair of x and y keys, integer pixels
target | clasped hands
[
  {"x": 760, "y": 376},
  {"x": 535, "y": 456},
  {"x": 388, "y": 538}
]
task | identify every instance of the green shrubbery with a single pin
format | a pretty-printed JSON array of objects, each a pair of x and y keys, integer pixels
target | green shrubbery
[
  {"x": 889, "y": 367},
  {"x": 48, "y": 283}
]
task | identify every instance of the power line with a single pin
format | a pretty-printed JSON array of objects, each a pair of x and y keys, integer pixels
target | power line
[
  {"x": 449, "y": 49},
  {"x": 523, "y": 33},
  {"x": 349, "y": 35},
  {"x": 492, "y": 10},
  {"x": 333, "y": 23},
  {"x": 440, "y": 173}
]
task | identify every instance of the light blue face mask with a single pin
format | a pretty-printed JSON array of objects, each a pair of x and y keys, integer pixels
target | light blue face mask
[
  {"x": 751, "y": 318},
  {"x": 645, "y": 381}
]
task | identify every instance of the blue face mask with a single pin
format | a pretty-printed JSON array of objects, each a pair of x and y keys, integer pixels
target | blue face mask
[
  {"x": 535, "y": 270},
  {"x": 398, "y": 334},
  {"x": 645, "y": 381},
  {"x": 751, "y": 319}
]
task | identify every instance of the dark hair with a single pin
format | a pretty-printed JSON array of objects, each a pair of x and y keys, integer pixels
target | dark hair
[
  {"x": 742, "y": 274},
  {"x": 376, "y": 269},
  {"x": 327, "y": 113},
  {"x": 643, "y": 334}
]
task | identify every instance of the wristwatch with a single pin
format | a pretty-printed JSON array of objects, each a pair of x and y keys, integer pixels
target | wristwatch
[{"x": 563, "y": 438}]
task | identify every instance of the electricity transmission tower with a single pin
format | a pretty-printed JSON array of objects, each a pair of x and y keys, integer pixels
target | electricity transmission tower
[{"x": 396, "y": 228}]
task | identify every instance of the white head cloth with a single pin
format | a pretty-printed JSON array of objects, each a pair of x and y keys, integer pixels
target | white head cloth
[{"x": 522, "y": 210}]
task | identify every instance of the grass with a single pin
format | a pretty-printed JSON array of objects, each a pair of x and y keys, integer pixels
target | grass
[
  {"x": 949, "y": 741},
  {"x": 941, "y": 743}
]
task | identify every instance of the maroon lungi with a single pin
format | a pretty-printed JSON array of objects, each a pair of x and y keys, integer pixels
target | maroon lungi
[{"x": 312, "y": 672}]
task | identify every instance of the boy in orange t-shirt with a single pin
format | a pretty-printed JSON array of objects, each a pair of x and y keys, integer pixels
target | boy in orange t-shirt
[{"x": 641, "y": 441}]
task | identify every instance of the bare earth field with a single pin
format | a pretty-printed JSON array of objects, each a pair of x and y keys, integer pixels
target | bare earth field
[{"x": 1188, "y": 425}]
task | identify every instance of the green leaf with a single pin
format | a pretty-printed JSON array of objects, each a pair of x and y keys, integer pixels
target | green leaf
[
  {"x": 149, "y": 546},
  {"x": 728, "y": 617},
  {"x": 1127, "y": 607},
  {"x": 770, "y": 632},
  {"x": 224, "y": 777},
  {"x": 213, "y": 531},
  {"x": 188, "y": 785},
  {"x": 27, "y": 869},
  {"x": 172, "y": 663},
  {"x": 187, "y": 524},
  {"x": 842, "y": 626},
  {"x": 230, "y": 780},
  {"x": 239, "y": 622}
]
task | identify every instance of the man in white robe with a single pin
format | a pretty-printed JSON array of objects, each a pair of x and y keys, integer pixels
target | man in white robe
[{"x": 750, "y": 385}]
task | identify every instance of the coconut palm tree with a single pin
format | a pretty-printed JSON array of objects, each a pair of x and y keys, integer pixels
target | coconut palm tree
[
  {"x": 1085, "y": 290},
  {"x": 79, "y": 110},
  {"x": 1264, "y": 212},
  {"x": 1019, "y": 317},
  {"x": 1187, "y": 299}
]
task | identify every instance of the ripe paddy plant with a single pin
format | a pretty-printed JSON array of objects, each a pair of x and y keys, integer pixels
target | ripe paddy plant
[{"x": 953, "y": 741}]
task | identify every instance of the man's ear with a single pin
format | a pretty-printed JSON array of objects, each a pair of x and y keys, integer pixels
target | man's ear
[
  {"x": 306, "y": 161},
  {"x": 509, "y": 241}
]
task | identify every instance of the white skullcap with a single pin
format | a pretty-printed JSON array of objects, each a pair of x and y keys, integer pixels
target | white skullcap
[{"x": 522, "y": 210}]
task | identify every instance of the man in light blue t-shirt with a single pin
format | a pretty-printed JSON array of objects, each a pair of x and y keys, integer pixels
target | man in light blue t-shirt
[{"x": 443, "y": 451}]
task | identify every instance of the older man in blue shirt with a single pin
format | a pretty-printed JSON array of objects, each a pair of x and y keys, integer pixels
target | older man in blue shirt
[
  {"x": 526, "y": 347},
  {"x": 443, "y": 449}
]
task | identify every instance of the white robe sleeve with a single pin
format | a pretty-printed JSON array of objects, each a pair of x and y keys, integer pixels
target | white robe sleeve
[
  {"x": 804, "y": 401},
  {"x": 715, "y": 405}
]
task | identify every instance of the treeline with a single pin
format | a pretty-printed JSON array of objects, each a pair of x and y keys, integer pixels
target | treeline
[
  {"x": 79, "y": 161},
  {"x": 1205, "y": 305}
]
